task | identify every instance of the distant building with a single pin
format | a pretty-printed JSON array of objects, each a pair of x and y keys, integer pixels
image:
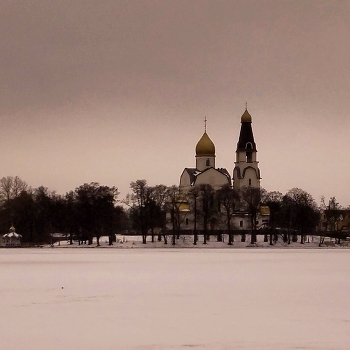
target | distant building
[
  {"x": 11, "y": 239},
  {"x": 335, "y": 220},
  {"x": 246, "y": 173}
]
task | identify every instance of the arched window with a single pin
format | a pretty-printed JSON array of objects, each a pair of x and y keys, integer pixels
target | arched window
[
  {"x": 207, "y": 163},
  {"x": 249, "y": 145},
  {"x": 186, "y": 221}
]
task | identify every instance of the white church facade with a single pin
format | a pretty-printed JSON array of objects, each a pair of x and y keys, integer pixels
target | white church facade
[
  {"x": 245, "y": 173},
  {"x": 205, "y": 171}
]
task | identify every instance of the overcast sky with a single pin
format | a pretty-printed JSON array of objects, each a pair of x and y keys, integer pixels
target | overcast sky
[{"x": 113, "y": 91}]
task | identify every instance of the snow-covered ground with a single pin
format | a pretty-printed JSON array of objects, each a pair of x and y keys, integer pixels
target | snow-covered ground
[
  {"x": 146, "y": 299},
  {"x": 187, "y": 242}
]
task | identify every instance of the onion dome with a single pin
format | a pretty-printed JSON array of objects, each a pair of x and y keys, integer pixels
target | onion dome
[
  {"x": 246, "y": 117},
  {"x": 205, "y": 146}
]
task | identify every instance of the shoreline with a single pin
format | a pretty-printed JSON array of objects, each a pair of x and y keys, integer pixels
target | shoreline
[{"x": 183, "y": 243}]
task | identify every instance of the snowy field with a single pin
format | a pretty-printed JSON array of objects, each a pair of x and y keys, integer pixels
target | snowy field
[{"x": 145, "y": 299}]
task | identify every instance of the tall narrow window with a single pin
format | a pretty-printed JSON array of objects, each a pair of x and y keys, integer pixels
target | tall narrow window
[
  {"x": 186, "y": 221},
  {"x": 250, "y": 182},
  {"x": 249, "y": 157},
  {"x": 241, "y": 223},
  {"x": 207, "y": 163}
]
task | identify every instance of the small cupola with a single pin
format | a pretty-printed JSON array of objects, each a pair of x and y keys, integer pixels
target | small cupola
[{"x": 246, "y": 117}]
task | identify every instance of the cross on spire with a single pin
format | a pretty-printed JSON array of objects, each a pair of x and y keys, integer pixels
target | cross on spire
[
  {"x": 246, "y": 105},
  {"x": 205, "y": 124}
]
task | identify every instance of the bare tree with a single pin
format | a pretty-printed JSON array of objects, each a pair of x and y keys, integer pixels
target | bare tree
[
  {"x": 6, "y": 188},
  {"x": 18, "y": 186},
  {"x": 174, "y": 202},
  {"x": 227, "y": 198},
  {"x": 303, "y": 211},
  {"x": 273, "y": 200},
  {"x": 138, "y": 203},
  {"x": 95, "y": 210},
  {"x": 206, "y": 207},
  {"x": 193, "y": 195},
  {"x": 156, "y": 200},
  {"x": 251, "y": 197},
  {"x": 11, "y": 187}
]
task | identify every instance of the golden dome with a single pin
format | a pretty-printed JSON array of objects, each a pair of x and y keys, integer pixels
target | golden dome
[
  {"x": 205, "y": 146},
  {"x": 184, "y": 207},
  {"x": 246, "y": 117}
]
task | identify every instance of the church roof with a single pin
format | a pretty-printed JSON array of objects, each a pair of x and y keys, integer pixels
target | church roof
[
  {"x": 12, "y": 233},
  {"x": 205, "y": 146},
  {"x": 246, "y": 138},
  {"x": 225, "y": 172},
  {"x": 193, "y": 173}
]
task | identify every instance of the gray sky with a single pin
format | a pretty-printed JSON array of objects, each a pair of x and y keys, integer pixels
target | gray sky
[{"x": 113, "y": 91}]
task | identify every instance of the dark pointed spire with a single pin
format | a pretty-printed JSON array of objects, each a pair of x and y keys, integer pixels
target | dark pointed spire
[{"x": 246, "y": 138}]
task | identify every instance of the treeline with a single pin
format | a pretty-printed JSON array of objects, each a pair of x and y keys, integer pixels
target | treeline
[
  {"x": 87, "y": 212},
  {"x": 212, "y": 211},
  {"x": 93, "y": 210}
]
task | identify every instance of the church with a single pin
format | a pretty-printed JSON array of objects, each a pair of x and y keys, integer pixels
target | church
[{"x": 244, "y": 173}]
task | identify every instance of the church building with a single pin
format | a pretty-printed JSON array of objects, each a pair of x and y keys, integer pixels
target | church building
[
  {"x": 245, "y": 173},
  {"x": 205, "y": 171}
]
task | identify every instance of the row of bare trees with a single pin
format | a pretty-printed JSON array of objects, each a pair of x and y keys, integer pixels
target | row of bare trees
[
  {"x": 294, "y": 214},
  {"x": 147, "y": 207},
  {"x": 92, "y": 210},
  {"x": 151, "y": 207}
]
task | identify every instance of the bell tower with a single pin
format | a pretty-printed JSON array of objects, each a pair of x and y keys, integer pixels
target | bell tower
[{"x": 246, "y": 171}]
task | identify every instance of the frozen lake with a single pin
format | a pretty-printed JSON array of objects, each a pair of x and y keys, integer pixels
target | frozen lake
[{"x": 145, "y": 299}]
